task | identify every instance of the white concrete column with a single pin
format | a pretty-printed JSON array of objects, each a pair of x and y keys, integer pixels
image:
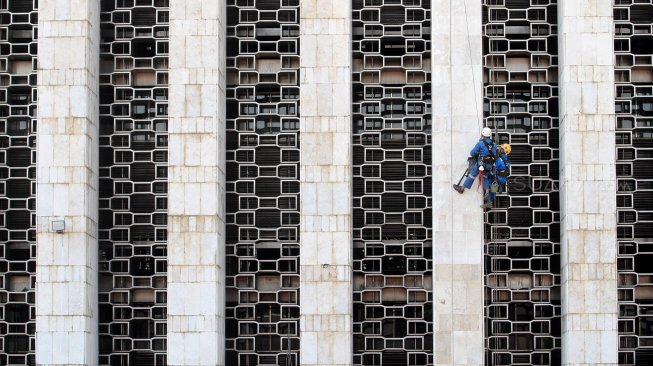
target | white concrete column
[
  {"x": 196, "y": 203},
  {"x": 67, "y": 178},
  {"x": 587, "y": 184},
  {"x": 457, "y": 219},
  {"x": 325, "y": 171}
]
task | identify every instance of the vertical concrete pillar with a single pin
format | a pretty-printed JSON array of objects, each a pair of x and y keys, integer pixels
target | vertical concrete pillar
[
  {"x": 67, "y": 183},
  {"x": 457, "y": 219},
  {"x": 196, "y": 206},
  {"x": 325, "y": 171},
  {"x": 588, "y": 184}
]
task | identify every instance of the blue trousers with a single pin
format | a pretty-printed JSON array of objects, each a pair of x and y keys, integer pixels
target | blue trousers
[
  {"x": 471, "y": 177},
  {"x": 487, "y": 183},
  {"x": 473, "y": 173}
]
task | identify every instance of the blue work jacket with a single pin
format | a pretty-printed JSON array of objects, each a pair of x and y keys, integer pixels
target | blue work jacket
[
  {"x": 502, "y": 163},
  {"x": 480, "y": 150}
]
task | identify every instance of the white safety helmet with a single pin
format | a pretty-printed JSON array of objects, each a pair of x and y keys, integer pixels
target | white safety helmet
[{"x": 486, "y": 132}]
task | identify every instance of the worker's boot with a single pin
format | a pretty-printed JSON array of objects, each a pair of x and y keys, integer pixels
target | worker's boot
[
  {"x": 458, "y": 188},
  {"x": 487, "y": 205}
]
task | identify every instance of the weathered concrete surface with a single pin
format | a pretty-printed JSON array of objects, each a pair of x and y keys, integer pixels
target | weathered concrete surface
[
  {"x": 67, "y": 176},
  {"x": 325, "y": 171},
  {"x": 457, "y": 219},
  {"x": 196, "y": 238},
  {"x": 587, "y": 184}
]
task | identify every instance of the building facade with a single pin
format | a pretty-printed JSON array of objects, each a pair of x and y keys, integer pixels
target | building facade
[{"x": 268, "y": 182}]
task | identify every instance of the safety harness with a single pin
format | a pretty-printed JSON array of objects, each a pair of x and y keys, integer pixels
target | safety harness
[
  {"x": 495, "y": 186},
  {"x": 503, "y": 172},
  {"x": 488, "y": 159}
]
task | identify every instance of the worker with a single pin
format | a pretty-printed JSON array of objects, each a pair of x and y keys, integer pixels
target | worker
[
  {"x": 483, "y": 155},
  {"x": 496, "y": 179}
]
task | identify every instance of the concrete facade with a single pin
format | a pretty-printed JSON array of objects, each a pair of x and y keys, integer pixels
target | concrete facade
[
  {"x": 196, "y": 253},
  {"x": 325, "y": 173},
  {"x": 67, "y": 171},
  {"x": 67, "y": 176},
  {"x": 457, "y": 221},
  {"x": 588, "y": 184}
]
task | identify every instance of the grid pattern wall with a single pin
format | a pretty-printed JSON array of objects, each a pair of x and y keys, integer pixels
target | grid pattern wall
[
  {"x": 522, "y": 251},
  {"x": 634, "y": 140},
  {"x": 262, "y": 305},
  {"x": 133, "y": 182},
  {"x": 18, "y": 33},
  {"x": 392, "y": 183}
]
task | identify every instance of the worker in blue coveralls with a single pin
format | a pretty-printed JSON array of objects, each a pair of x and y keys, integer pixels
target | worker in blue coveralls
[
  {"x": 495, "y": 180},
  {"x": 483, "y": 155}
]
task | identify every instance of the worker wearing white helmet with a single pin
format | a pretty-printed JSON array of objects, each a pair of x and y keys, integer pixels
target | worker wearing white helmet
[{"x": 482, "y": 156}]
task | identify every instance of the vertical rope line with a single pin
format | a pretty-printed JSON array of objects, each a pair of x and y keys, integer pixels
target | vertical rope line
[
  {"x": 471, "y": 65},
  {"x": 480, "y": 124},
  {"x": 451, "y": 208}
]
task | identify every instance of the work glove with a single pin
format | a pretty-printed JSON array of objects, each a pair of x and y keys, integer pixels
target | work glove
[{"x": 480, "y": 168}]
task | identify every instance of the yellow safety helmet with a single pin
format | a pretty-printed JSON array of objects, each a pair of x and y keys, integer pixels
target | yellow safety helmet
[{"x": 506, "y": 148}]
